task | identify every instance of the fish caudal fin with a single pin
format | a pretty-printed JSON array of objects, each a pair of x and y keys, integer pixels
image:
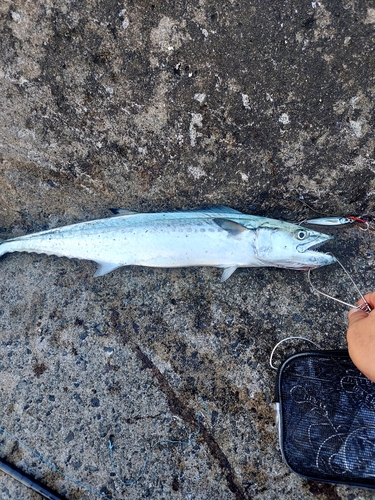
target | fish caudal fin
[{"x": 2, "y": 248}]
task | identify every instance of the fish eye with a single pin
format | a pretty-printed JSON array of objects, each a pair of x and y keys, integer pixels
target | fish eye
[{"x": 301, "y": 235}]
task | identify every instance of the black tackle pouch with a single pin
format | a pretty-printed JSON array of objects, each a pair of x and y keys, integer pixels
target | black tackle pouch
[{"x": 326, "y": 418}]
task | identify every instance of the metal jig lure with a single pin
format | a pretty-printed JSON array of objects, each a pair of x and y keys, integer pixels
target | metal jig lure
[{"x": 334, "y": 221}]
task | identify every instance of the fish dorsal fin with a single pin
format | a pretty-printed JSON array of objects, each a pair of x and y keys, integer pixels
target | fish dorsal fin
[
  {"x": 228, "y": 271},
  {"x": 220, "y": 210},
  {"x": 119, "y": 212},
  {"x": 233, "y": 228},
  {"x": 105, "y": 268}
]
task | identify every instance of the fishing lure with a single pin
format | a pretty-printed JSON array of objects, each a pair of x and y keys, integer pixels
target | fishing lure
[{"x": 335, "y": 221}]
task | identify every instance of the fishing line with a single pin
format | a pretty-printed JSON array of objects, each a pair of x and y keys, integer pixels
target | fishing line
[
  {"x": 364, "y": 307},
  {"x": 310, "y": 207},
  {"x": 82, "y": 485},
  {"x": 130, "y": 482},
  {"x": 367, "y": 228},
  {"x": 284, "y": 340}
]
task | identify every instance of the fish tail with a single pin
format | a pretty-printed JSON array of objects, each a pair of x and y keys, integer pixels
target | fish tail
[{"x": 2, "y": 248}]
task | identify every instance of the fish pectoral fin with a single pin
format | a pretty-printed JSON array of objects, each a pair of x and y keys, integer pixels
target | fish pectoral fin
[
  {"x": 228, "y": 271},
  {"x": 118, "y": 212},
  {"x": 233, "y": 228},
  {"x": 105, "y": 268}
]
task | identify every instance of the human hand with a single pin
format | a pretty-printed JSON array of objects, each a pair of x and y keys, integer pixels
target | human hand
[{"x": 361, "y": 337}]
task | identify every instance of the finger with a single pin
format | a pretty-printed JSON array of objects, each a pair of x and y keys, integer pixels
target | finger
[
  {"x": 355, "y": 315},
  {"x": 365, "y": 306},
  {"x": 369, "y": 298}
]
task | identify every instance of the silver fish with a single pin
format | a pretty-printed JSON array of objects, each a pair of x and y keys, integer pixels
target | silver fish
[{"x": 219, "y": 237}]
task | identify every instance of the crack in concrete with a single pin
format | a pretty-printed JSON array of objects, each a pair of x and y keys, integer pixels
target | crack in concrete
[{"x": 177, "y": 407}]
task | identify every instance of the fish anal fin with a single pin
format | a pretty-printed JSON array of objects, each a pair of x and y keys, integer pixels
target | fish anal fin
[
  {"x": 119, "y": 212},
  {"x": 227, "y": 273},
  {"x": 233, "y": 228},
  {"x": 105, "y": 268}
]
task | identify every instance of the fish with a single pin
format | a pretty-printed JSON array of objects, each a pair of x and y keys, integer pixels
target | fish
[{"x": 218, "y": 237}]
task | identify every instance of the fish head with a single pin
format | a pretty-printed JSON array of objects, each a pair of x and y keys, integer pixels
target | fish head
[{"x": 281, "y": 244}]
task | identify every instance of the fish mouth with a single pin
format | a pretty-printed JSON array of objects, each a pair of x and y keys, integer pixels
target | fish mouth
[
  {"x": 312, "y": 258},
  {"x": 317, "y": 242}
]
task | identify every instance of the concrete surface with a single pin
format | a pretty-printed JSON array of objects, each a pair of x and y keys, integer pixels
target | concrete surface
[{"x": 264, "y": 106}]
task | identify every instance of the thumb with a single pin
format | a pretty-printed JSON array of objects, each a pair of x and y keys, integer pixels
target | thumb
[{"x": 355, "y": 315}]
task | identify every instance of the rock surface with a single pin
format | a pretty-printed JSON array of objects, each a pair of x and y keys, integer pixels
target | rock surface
[{"x": 263, "y": 106}]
